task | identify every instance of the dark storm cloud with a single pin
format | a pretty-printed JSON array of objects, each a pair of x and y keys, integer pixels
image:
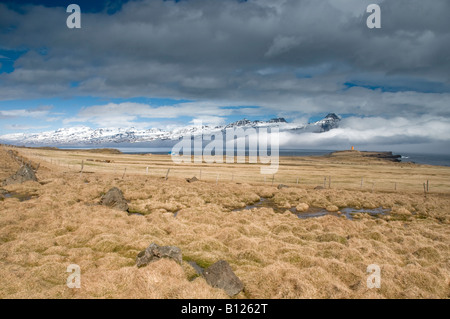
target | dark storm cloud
[{"x": 287, "y": 56}]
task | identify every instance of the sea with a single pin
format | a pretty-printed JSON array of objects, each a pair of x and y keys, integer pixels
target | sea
[{"x": 420, "y": 158}]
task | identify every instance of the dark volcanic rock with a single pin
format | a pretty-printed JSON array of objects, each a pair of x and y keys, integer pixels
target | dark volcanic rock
[
  {"x": 386, "y": 156},
  {"x": 24, "y": 174},
  {"x": 3, "y": 193},
  {"x": 383, "y": 155},
  {"x": 155, "y": 252},
  {"x": 220, "y": 275},
  {"x": 114, "y": 198},
  {"x": 278, "y": 120},
  {"x": 191, "y": 180}
]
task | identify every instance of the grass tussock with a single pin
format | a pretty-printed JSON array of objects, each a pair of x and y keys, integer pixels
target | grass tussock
[{"x": 276, "y": 255}]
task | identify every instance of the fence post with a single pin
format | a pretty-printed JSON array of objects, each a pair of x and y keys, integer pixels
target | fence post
[
  {"x": 167, "y": 174},
  {"x": 81, "y": 170}
]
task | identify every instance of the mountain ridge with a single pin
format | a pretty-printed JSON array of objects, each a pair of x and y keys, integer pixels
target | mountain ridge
[{"x": 84, "y": 135}]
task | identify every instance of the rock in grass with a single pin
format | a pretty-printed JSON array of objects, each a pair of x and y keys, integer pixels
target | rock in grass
[
  {"x": 282, "y": 186},
  {"x": 318, "y": 188},
  {"x": 24, "y": 174},
  {"x": 155, "y": 252},
  {"x": 114, "y": 199},
  {"x": 191, "y": 180},
  {"x": 302, "y": 207},
  {"x": 332, "y": 208},
  {"x": 220, "y": 275}
]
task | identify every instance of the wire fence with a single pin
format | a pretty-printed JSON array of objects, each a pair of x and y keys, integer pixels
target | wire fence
[{"x": 128, "y": 167}]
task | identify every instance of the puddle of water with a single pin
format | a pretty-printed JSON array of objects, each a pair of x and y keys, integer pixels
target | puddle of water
[
  {"x": 197, "y": 268},
  {"x": 20, "y": 197},
  {"x": 138, "y": 214},
  {"x": 263, "y": 202},
  {"x": 348, "y": 212},
  {"x": 312, "y": 212},
  {"x": 375, "y": 212}
]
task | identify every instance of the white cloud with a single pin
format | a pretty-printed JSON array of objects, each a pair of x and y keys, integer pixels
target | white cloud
[
  {"x": 282, "y": 44},
  {"x": 355, "y": 131},
  {"x": 128, "y": 113},
  {"x": 209, "y": 120},
  {"x": 39, "y": 112},
  {"x": 24, "y": 127}
]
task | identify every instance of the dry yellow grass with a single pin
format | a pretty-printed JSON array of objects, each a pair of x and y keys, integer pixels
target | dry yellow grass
[{"x": 275, "y": 255}]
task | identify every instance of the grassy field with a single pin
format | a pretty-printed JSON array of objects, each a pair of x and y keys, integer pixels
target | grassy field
[{"x": 276, "y": 255}]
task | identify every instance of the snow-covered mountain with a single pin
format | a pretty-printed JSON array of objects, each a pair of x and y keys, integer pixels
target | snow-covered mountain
[{"x": 84, "y": 136}]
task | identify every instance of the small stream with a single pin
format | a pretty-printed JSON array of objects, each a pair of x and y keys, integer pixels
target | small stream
[{"x": 312, "y": 212}]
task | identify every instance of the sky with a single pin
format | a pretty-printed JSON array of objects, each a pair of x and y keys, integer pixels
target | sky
[{"x": 154, "y": 63}]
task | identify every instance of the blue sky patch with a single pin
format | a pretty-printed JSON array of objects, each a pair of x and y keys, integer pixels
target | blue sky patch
[{"x": 7, "y": 59}]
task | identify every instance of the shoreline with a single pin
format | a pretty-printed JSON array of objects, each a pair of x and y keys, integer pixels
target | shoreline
[{"x": 424, "y": 158}]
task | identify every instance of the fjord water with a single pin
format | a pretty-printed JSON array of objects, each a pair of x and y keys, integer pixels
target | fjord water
[
  {"x": 420, "y": 158},
  {"x": 430, "y": 159}
]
